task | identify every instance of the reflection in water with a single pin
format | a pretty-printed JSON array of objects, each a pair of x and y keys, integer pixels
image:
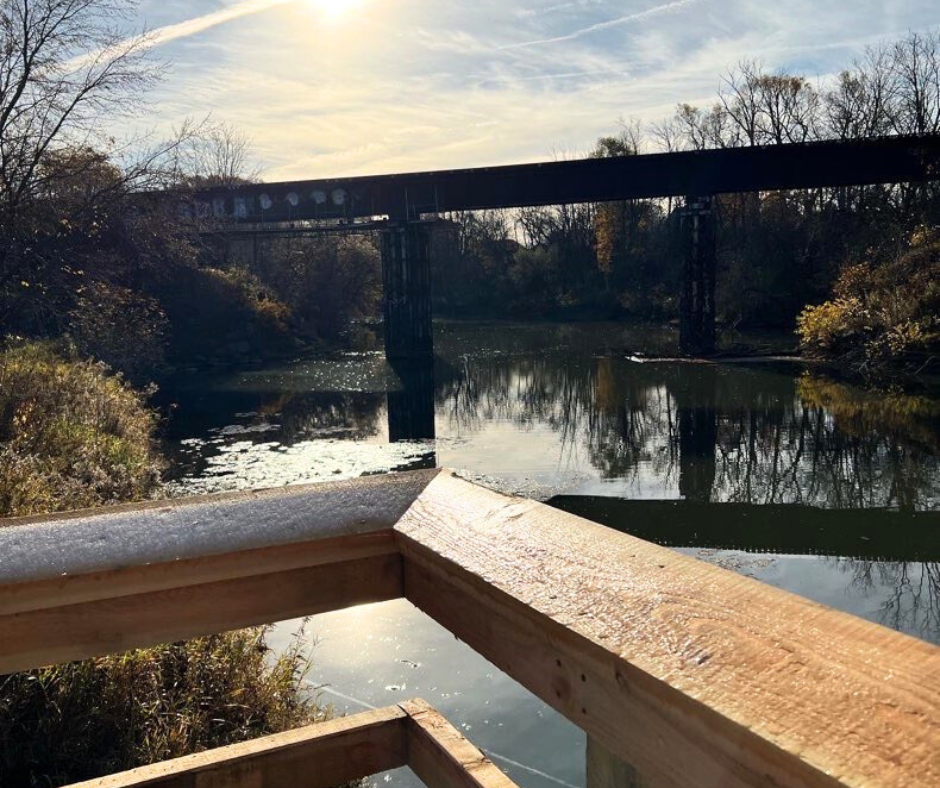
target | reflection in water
[
  {"x": 767, "y": 470},
  {"x": 709, "y": 432},
  {"x": 792, "y": 529},
  {"x": 913, "y": 603},
  {"x": 754, "y": 451},
  {"x": 411, "y": 403}
]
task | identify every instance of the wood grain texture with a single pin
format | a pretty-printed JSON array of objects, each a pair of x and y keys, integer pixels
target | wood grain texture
[
  {"x": 70, "y": 589},
  {"x": 317, "y": 756},
  {"x": 692, "y": 674},
  {"x": 442, "y": 757},
  {"x": 57, "y": 634}
]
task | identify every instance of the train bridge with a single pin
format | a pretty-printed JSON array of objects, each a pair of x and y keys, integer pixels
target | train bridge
[{"x": 399, "y": 206}]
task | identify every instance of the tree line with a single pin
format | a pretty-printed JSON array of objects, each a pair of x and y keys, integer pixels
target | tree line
[
  {"x": 84, "y": 253},
  {"x": 778, "y": 252}
]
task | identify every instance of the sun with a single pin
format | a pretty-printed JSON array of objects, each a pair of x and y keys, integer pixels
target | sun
[{"x": 336, "y": 10}]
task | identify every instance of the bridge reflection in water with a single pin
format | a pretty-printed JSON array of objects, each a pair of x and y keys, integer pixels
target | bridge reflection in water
[
  {"x": 754, "y": 458},
  {"x": 875, "y": 534},
  {"x": 411, "y": 403}
]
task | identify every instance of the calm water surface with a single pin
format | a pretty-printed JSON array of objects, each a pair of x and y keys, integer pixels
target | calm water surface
[{"x": 768, "y": 469}]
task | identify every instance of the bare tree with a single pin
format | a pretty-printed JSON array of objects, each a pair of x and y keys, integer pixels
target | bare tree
[
  {"x": 740, "y": 97},
  {"x": 71, "y": 203},
  {"x": 789, "y": 108},
  {"x": 712, "y": 129},
  {"x": 218, "y": 155},
  {"x": 64, "y": 66},
  {"x": 859, "y": 105},
  {"x": 769, "y": 108},
  {"x": 668, "y": 135},
  {"x": 915, "y": 86}
]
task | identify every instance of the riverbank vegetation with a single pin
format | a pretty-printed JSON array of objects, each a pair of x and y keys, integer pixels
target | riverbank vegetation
[
  {"x": 74, "y": 435},
  {"x": 883, "y": 313},
  {"x": 71, "y": 435},
  {"x": 777, "y": 252},
  {"x": 82, "y": 720}
]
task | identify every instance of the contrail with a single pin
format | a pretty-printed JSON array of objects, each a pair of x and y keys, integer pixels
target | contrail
[
  {"x": 189, "y": 27},
  {"x": 196, "y": 25},
  {"x": 621, "y": 20}
]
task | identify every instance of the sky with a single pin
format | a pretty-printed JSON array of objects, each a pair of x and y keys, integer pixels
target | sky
[{"x": 352, "y": 87}]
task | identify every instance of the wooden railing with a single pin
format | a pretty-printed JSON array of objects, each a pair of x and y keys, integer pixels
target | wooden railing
[
  {"x": 329, "y": 754},
  {"x": 681, "y": 673}
]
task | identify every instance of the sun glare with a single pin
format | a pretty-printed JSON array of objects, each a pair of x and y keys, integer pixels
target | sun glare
[{"x": 336, "y": 10}]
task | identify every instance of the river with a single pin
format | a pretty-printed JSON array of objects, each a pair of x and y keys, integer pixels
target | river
[{"x": 771, "y": 469}]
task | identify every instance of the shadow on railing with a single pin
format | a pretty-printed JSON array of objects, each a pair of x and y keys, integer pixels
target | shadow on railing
[{"x": 681, "y": 673}]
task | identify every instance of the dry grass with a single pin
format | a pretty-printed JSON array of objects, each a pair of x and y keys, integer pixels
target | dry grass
[
  {"x": 75, "y": 436},
  {"x": 72, "y": 435},
  {"x": 72, "y": 722}
]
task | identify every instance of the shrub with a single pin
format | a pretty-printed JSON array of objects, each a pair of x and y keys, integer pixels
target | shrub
[
  {"x": 248, "y": 292},
  {"x": 72, "y": 435},
  {"x": 881, "y": 313},
  {"x": 126, "y": 330},
  {"x": 328, "y": 281},
  {"x": 81, "y": 720},
  {"x": 224, "y": 315}
]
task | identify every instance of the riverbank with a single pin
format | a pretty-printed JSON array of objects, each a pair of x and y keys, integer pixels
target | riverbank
[{"x": 72, "y": 436}]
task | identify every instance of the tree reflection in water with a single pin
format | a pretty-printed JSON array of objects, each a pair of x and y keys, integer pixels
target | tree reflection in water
[
  {"x": 745, "y": 435},
  {"x": 914, "y": 603},
  {"x": 763, "y": 457},
  {"x": 716, "y": 433}
]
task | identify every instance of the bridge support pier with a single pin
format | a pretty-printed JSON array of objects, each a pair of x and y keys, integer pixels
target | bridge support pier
[
  {"x": 697, "y": 296},
  {"x": 406, "y": 275},
  {"x": 697, "y": 413}
]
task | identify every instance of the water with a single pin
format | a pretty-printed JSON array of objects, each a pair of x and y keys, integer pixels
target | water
[{"x": 769, "y": 469}]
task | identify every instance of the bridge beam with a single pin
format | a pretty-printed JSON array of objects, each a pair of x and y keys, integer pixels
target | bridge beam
[
  {"x": 406, "y": 275},
  {"x": 697, "y": 293}
]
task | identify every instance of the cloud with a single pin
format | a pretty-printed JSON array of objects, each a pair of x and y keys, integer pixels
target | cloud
[
  {"x": 627, "y": 19},
  {"x": 184, "y": 29},
  {"x": 197, "y": 24},
  {"x": 419, "y": 84}
]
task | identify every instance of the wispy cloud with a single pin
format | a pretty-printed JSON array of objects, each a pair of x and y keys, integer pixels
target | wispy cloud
[
  {"x": 627, "y": 19},
  {"x": 197, "y": 24},
  {"x": 420, "y": 84},
  {"x": 184, "y": 29}
]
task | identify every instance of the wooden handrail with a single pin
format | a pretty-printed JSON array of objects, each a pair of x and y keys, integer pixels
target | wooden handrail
[
  {"x": 330, "y": 753},
  {"x": 691, "y": 674},
  {"x": 144, "y": 574}
]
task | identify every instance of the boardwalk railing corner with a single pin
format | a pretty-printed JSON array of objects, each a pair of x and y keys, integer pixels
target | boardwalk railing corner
[{"x": 681, "y": 673}]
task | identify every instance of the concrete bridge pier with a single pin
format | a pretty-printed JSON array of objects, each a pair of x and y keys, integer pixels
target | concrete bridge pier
[
  {"x": 406, "y": 275},
  {"x": 697, "y": 294}
]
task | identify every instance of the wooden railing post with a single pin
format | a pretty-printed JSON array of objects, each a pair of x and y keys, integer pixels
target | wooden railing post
[{"x": 605, "y": 770}]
